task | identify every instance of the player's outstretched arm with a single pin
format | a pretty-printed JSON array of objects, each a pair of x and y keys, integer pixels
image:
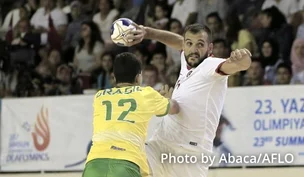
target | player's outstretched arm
[
  {"x": 239, "y": 60},
  {"x": 166, "y": 37}
]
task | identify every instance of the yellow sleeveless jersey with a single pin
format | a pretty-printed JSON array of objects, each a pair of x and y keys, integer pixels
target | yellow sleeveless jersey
[{"x": 120, "y": 124}]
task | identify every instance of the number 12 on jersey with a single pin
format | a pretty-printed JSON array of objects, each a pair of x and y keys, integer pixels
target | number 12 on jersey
[{"x": 121, "y": 103}]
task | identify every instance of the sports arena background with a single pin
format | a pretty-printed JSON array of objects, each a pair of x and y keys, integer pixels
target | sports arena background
[{"x": 52, "y": 57}]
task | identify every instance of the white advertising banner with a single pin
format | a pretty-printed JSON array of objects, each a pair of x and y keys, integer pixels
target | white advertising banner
[
  {"x": 50, "y": 133},
  {"x": 260, "y": 126}
]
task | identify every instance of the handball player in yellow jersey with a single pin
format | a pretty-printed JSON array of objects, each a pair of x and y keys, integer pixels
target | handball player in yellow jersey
[{"x": 121, "y": 117}]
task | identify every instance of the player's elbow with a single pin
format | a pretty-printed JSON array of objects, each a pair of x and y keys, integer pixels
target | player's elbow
[{"x": 174, "y": 107}]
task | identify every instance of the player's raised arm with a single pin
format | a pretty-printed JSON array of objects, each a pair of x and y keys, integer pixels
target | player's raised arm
[
  {"x": 239, "y": 60},
  {"x": 166, "y": 37}
]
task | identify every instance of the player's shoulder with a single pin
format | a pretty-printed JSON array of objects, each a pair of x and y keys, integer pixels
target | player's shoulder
[
  {"x": 214, "y": 59},
  {"x": 148, "y": 89},
  {"x": 212, "y": 62},
  {"x": 149, "y": 92}
]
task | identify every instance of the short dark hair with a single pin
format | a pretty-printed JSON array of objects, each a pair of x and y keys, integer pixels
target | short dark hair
[
  {"x": 286, "y": 66},
  {"x": 215, "y": 15},
  {"x": 258, "y": 60},
  {"x": 126, "y": 67},
  {"x": 174, "y": 20},
  {"x": 151, "y": 68},
  {"x": 196, "y": 28},
  {"x": 220, "y": 41}
]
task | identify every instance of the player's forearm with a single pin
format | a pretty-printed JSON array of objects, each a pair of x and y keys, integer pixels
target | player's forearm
[
  {"x": 234, "y": 67},
  {"x": 174, "y": 107},
  {"x": 168, "y": 38}
]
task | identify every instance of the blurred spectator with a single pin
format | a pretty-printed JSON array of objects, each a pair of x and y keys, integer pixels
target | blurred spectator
[
  {"x": 159, "y": 61},
  {"x": 172, "y": 76},
  {"x": 185, "y": 11},
  {"x": 274, "y": 24},
  {"x": 255, "y": 74},
  {"x": 173, "y": 55},
  {"x": 31, "y": 6},
  {"x": 246, "y": 10},
  {"x": 10, "y": 28},
  {"x": 296, "y": 21},
  {"x": 239, "y": 37},
  {"x": 215, "y": 23},
  {"x": 89, "y": 49},
  {"x": 13, "y": 17},
  {"x": 64, "y": 83},
  {"x": 150, "y": 77},
  {"x": 54, "y": 59},
  {"x": 47, "y": 13},
  {"x": 297, "y": 56},
  {"x": 105, "y": 18},
  {"x": 300, "y": 30},
  {"x": 270, "y": 58},
  {"x": 159, "y": 20},
  {"x": 73, "y": 34},
  {"x": 297, "y": 59},
  {"x": 210, "y": 6},
  {"x": 286, "y": 7},
  {"x": 104, "y": 72},
  {"x": 220, "y": 48},
  {"x": 27, "y": 86},
  {"x": 141, "y": 53},
  {"x": 20, "y": 30},
  {"x": 129, "y": 9},
  {"x": 283, "y": 74}
]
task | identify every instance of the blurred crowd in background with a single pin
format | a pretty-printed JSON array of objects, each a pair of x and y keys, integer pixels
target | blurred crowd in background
[{"x": 63, "y": 47}]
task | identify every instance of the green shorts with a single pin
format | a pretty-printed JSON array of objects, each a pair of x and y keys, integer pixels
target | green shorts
[{"x": 111, "y": 168}]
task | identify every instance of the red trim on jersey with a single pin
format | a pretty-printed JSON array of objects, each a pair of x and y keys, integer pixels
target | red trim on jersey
[{"x": 218, "y": 69}]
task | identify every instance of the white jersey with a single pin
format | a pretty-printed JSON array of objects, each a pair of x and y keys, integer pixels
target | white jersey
[{"x": 200, "y": 92}]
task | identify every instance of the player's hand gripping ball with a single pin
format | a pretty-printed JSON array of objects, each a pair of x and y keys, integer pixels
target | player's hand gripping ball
[{"x": 120, "y": 29}]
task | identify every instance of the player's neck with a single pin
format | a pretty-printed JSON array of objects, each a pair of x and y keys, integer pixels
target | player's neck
[
  {"x": 124, "y": 85},
  {"x": 189, "y": 67}
]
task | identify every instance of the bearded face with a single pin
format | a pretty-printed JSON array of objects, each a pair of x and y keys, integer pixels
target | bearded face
[{"x": 196, "y": 48}]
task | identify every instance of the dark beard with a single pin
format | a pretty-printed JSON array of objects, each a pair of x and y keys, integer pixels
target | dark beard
[{"x": 199, "y": 62}]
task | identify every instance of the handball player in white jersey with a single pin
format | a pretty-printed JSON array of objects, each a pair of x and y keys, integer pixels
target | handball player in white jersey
[{"x": 200, "y": 92}]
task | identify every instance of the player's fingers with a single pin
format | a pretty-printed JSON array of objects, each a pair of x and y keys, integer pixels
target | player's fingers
[
  {"x": 248, "y": 52},
  {"x": 137, "y": 26},
  {"x": 243, "y": 52},
  {"x": 135, "y": 34},
  {"x": 131, "y": 43},
  {"x": 232, "y": 56},
  {"x": 238, "y": 54}
]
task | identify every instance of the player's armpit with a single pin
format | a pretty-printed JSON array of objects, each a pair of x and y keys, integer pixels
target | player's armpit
[{"x": 174, "y": 107}]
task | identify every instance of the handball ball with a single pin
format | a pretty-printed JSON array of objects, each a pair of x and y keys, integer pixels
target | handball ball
[{"x": 120, "y": 30}]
